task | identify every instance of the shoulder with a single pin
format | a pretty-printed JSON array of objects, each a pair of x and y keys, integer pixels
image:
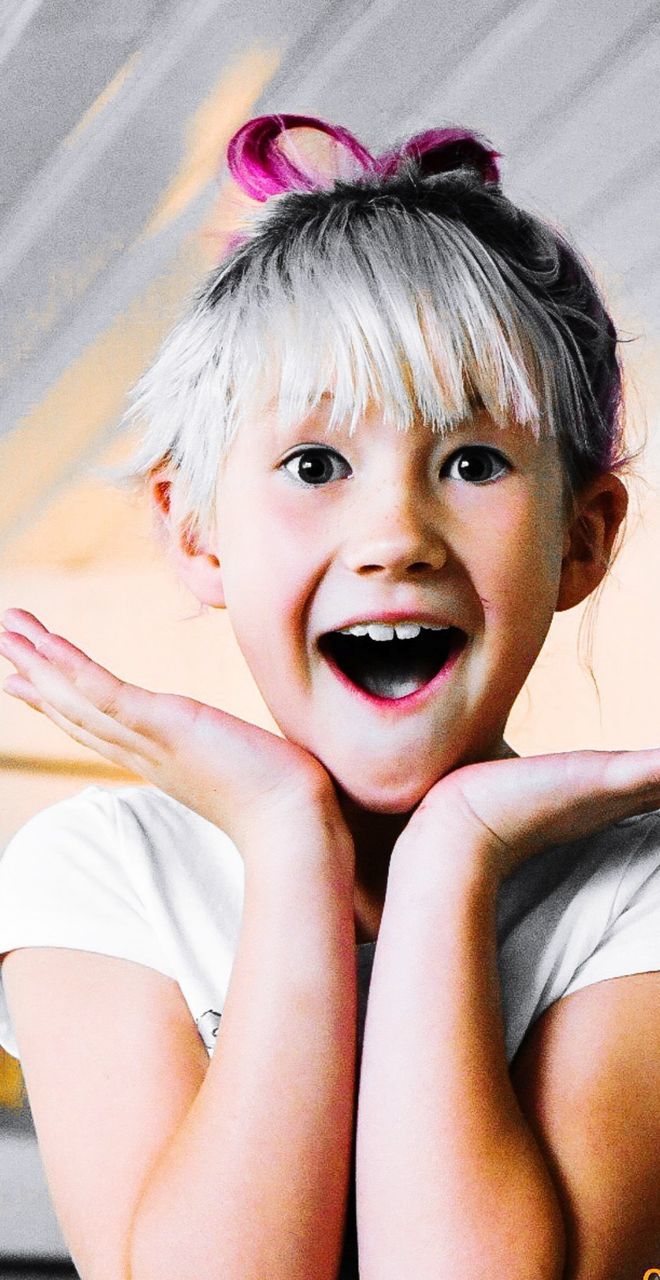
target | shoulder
[
  {"x": 605, "y": 866},
  {"x": 97, "y": 806},
  {"x": 122, "y": 829},
  {"x": 127, "y": 873},
  {"x": 577, "y": 914},
  {"x": 92, "y": 816},
  {"x": 76, "y": 836},
  {"x": 134, "y": 845},
  {"x": 625, "y": 883}
]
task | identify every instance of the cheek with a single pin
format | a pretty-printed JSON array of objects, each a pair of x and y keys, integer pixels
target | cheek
[
  {"x": 267, "y": 576},
  {"x": 517, "y": 565}
]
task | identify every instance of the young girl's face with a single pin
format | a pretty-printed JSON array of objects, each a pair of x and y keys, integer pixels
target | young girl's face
[{"x": 318, "y": 532}]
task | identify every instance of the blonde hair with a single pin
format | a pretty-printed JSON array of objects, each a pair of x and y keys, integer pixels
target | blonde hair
[{"x": 431, "y": 294}]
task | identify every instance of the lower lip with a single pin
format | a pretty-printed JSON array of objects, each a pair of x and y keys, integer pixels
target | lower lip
[{"x": 409, "y": 700}]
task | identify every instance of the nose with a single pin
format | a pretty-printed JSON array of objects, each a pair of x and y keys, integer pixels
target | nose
[{"x": 394, "y": 533}]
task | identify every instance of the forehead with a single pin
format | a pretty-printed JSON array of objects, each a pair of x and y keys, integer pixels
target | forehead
[{"x": 268, "y": 435}]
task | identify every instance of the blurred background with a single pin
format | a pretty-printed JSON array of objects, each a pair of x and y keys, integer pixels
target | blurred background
[{"x": 115, "y": 117}]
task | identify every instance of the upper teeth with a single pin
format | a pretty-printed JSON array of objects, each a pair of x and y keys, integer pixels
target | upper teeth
[{"x": 387, "y": 631}]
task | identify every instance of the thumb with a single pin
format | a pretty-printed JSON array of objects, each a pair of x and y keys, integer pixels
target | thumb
[{"x": 528, "y": 803}]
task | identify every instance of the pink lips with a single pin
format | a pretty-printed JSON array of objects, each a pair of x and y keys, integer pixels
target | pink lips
[
  {"x": 423, "y": 617},
  {"x": 409, "y": 700}
]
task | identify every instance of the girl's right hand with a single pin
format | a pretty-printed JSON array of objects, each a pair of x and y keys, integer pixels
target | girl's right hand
[
  {"x": 278, "y": 1099},
  {"x": 242, "y": 778}
]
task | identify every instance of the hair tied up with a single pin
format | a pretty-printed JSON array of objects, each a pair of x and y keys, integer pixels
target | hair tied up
[
  {"x": 441, "y": 150},
  {"x": 260, "y": 162},
  {"x": 264, "y": 162}
]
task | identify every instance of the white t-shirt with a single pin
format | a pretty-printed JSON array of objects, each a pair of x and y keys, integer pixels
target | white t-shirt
[{"x": 130, "y": 872}]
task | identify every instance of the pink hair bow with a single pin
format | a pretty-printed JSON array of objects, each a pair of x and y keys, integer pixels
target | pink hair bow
[{"x": 265, "y": 160}]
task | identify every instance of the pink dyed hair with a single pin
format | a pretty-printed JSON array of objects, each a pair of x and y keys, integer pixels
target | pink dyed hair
[{"x": 260, "y": 165}]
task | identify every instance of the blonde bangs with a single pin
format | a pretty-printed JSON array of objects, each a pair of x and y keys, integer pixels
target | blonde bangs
[
  {"x": 407, "y": 311},
  {"x": 430, "y": 341}
]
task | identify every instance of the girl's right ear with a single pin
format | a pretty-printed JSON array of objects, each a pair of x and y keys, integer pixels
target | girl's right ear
[{"x": 194, "y": 563}]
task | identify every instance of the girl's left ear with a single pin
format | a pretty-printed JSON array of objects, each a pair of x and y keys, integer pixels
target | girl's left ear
[
  {"x": 195, "y": 564},
  {"x": 589, "y": 538}
]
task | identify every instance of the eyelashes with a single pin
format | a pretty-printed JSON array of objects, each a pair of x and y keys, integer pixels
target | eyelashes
[
  {"x": 318, "y": 465},
  {"x": 470, "y": 464}
]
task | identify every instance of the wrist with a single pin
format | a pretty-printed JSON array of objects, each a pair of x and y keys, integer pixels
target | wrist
[
  {"x": 440, "y": 852},
  {"x": 303, "y": 819},
  {"x": 296, "y": 846}
]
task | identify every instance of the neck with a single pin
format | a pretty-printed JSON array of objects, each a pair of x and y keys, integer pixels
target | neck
[{"x": 374, "y": 836}]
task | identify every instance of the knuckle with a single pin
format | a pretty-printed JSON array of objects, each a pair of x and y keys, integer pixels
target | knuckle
[
  {"x": 50, "y": 646},
  {"x": 108, "y": 704}
]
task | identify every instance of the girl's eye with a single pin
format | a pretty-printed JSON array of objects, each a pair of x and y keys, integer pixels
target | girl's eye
[
  {"x": 477, "y": 464},
  {"x": 316, "y": 465}
]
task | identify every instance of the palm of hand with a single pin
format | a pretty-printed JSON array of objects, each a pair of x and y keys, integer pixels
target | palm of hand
[
  {"x": 224, "y": 768},
  {"x": 513, "y": 808}
]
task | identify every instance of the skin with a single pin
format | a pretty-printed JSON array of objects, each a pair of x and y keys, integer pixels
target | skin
[
  {"x": 394, "y": 528},
  {"x": 414, "y": 812},
  {"x": 391, "y": 533}
]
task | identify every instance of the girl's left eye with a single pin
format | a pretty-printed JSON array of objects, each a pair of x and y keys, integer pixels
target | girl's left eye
[
  {"x": 476, "y": 464},
  {"x": 316, "y": 465}
]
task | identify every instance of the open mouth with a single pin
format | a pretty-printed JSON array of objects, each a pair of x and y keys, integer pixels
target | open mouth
[{"x": 392, "y": 668}]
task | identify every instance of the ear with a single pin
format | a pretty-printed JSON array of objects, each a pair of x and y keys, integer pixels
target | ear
[
  {"x": 591, "y": 529},
  {"x": 195, "y": 564}
]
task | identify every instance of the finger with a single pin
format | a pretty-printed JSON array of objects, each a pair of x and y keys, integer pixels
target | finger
[
  {"x": 630, "y": 779},
  {"x": 532, "y": 801},
  {"x": 84, "y": 693},
  {"x": 153, "y": 719},
  {"x": 24, "y": 623},
  {"x": 93, "y": 682},
  {"x": 603, "y": 786},
  {"x": 23, "y": 689},
  {"x": 586, "y": 791},
  {"x": 146, "y": 724},
  {"x": 104, "y": 690},
  {"x": 146, "y": 717},
  {"x": 20, "y": 688},
  {"x": 617, "y": 782},
  {"x": 101, "y": 746}
]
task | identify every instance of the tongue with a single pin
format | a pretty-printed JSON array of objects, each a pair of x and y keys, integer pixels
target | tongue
[{"x": 389, "y": 685}]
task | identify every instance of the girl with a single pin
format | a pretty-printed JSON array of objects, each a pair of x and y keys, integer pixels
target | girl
[{"x": 388, "y": 440}]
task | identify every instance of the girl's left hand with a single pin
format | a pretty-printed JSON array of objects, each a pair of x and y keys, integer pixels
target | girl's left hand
[{"x": 504, "y": 811}]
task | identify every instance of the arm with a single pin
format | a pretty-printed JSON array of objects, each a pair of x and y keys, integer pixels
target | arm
[
  {"x": 163, "y": 1165},
  {"x": 464, "y": 1174},
  {"x": 255, "y": 1181},
  {"x": 450, "y": 1180},
  {"x": 251, "y": 1178},
  {"x": 588, "y": 1079}
]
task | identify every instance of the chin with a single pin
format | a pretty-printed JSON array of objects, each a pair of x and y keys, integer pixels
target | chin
[{"x": 396, "y": 797}]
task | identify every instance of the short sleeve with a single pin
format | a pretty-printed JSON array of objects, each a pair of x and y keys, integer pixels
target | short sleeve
[
  {"x": 631, "y": 941},
  {"x": 68, "y": 878}
]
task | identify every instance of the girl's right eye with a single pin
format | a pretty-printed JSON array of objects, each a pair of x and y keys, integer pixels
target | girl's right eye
[{"x": 316, "y": 465}]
